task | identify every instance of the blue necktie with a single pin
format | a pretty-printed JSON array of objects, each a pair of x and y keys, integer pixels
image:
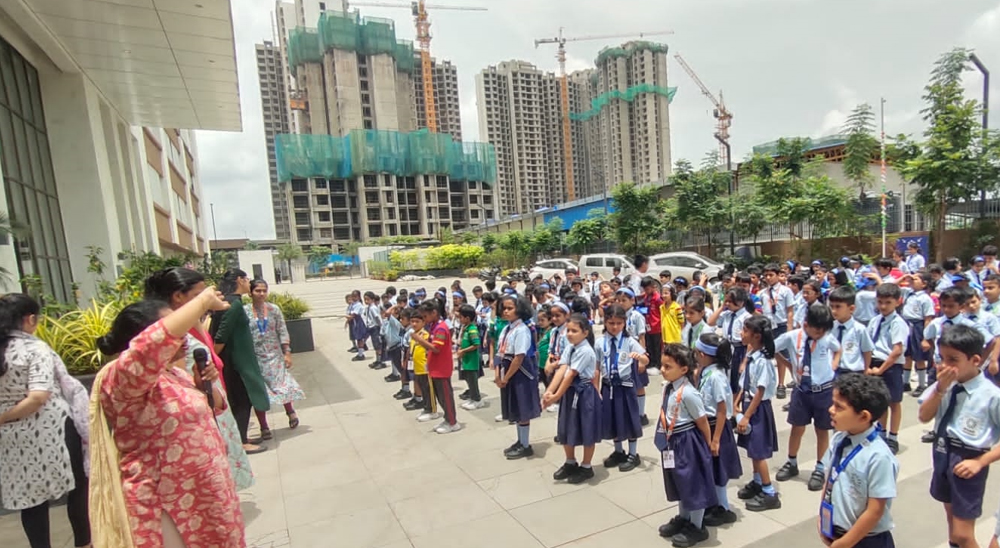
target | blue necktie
[
  {"x": 838, "y": 453},
  {"x": 729, "y": 331},
  {"x": 878, "y": 328},
  {"x": 840, "y": 333},
  {"x": 942, "y": 427},
  {"x": 613, "y": 361},
  {"x": 807, "y": 359}
]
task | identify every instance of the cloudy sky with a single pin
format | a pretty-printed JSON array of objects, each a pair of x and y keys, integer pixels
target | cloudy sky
[{"x": 787, "y": 68}]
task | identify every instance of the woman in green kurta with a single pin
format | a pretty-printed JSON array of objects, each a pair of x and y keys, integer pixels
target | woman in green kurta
[{"x": 234, "y": 344}]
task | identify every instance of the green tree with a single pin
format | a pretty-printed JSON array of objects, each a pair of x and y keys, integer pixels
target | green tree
[
  {"x": 468, "y": 237},
  {"x": 950, "y": 163},
  {"x": 489, "y": 242},
  {"x": 587, "y": 231},
  {"x": 446, "y": 236},
  {"x": 319, "y": 257},
  {"x": 638, "y": 216},
  {"x": 749, "y": 216},
  {"x": 517, "y": 246},
  {"x": 861, "y": 147},
  {"x": 287, "y": 253},
  {"x": 698, "y": 205}
]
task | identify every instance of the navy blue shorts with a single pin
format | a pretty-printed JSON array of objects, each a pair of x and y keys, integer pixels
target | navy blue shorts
[
  {"x": 893, "y": 379},
  {"x": 878, "y": 540},
  {"x": 964, "y": 495},
  {"x": 811, "y": 408},
  {"x": 913, "y": 348}
]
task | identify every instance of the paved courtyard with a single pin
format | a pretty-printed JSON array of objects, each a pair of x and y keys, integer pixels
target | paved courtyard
[{"x": 362, "y": 473}]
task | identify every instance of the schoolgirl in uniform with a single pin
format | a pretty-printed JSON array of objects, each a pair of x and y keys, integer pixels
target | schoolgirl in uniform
[
  {"x": 713, "y": 354},
  {"x": 620, "y": 357},
  {"x": 694, "y": 316},
  {"x": 517, "y": 374},
  {"x": 558, "y": 314},
  {"x": 636, "y": 327},
  {"x": 543, "y": 321},
  {"x": 756, "y": 428},
  {"x": 730, "y": 318},
  {"x": 575, "y": 387},
  {"x": 359, "y": 331},
  {"x": 683, "y": 436}
]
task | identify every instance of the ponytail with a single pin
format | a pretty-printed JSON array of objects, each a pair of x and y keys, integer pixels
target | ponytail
[{"x": 762, "y": 326}]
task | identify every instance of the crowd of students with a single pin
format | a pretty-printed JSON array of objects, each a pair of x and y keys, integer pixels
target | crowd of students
[{"x": 847, "y": 337}]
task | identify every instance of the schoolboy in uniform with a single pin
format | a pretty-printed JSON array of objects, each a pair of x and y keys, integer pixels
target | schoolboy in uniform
[
  {"x": 815, "y": 356},
  {"x": 730, "y": 317},
  {"x": 966, "y": 409},
  {"x": 855, "y": 344},
  {"x": 861, "y": 482},
  {"x": 918, "y": 311},
  {"x": 914, "y": 260},
  {"x": 951, "y": 302},
  {"x": 889, "y": 333},
  {"x": 778, "y": 305}
]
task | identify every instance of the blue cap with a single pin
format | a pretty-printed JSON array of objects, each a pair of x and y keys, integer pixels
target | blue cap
[
  {"x": 955, "y": 278},
  {"x": 864, "y": 282},
  {"x": 791, "y": 265},
  {"x": 627, "y": 291},
  {"x": 680, "y": 280},
  {"x": 845, "y": 260},
  {"x": 978, "y": 259},
  {"x": 420, "y": 292}
]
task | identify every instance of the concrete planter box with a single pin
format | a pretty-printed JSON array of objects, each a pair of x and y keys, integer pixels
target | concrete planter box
[{"x": 300, "y": 332}]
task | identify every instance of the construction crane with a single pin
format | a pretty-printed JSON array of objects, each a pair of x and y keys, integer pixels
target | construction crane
[
  {"x": 561, "y": 40},
  {"x": 423, "y": 24},
  {"x": 723, "y": 117}
]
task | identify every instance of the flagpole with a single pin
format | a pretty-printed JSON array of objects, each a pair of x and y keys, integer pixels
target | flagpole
[{"x": 882, "y": 143}]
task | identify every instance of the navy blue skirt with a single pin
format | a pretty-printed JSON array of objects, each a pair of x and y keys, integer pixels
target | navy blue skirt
[
  {"x": 580, "y": 415},
  {"x": 641, "y": 379},
  {"x": 519, "y": 400},
  {"x": 691, "y": 481},
  {"x": 359, "y": 331},
  {"x": 727, "y": 465},
  {"x": 620, "y": 413},
  {"x": 762, "y": 441}
]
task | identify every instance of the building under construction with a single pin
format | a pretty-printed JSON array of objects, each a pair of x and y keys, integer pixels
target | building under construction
[
  {"x": 619, "y": 125},
  {"x": 361, "y": 154}
]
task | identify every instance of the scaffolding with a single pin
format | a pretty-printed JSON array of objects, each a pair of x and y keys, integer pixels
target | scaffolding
[
  {"x": 304, "y": 47},
  {"x": 373, "y": 151}
]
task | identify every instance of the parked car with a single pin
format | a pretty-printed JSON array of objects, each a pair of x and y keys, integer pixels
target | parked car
[
  {"x": 549, "y": 267},
  {"x": 683, "y": 263},
  {"x": 604, "y": 264}
]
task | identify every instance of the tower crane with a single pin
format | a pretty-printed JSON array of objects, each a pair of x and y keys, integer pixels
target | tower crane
[
  {"x": 723, "y": 117},
  {"x": 423, "y": 24},
  {"x": 560, "y": 41}
]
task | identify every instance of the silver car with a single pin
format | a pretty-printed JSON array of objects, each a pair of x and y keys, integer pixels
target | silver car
[{"x": 683, "y": 263}]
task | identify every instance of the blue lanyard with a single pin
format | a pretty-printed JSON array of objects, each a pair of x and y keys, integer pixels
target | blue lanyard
[{"x": 835, "y": 473}]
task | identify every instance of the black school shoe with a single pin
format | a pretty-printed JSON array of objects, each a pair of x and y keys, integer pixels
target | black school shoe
[
  {"x": 565, "y": 471},
  {"x": 392, "y": 377},
  {"x": 379, "y": 366},
  {"x": 358, "y": 358},
  {"x": 780, "y": 393},
  {"x": 717, "y": 516},
  {"x": 403, "y": 394},
  {"x": 520, "y": 452},
  {"x": 928, "y": 437},
  {"x": 631, "y": 463},
  {"x": 787, "y": 472},
  {"x": 581, "y": 475},
  {"x": 413, "y": 405},
  {"x": 352, "y": 349},
  {"x": 750, "y": 490},
  {"x": 464, "y": 395},
  {"x": 893, "y": 445},
  {"x": 673, "y": 527},
  {"x": 616, "y": 458},
  {"x": 764, "y": 502},
  {"x": 689, "y": 536},
  {"x": 644, "y": 420},
  {"x": 816, "y": 480}
]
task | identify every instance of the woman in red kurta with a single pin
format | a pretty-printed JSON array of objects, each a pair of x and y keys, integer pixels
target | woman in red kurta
[{"x": 176, "y": 481}]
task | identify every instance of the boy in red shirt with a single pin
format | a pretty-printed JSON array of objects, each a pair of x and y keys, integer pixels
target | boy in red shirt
[
  {"x": 650, "y": 306},
  {"x": 439, "y": 362}
]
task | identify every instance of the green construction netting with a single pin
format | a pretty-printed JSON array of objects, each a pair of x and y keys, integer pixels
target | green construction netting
[
  {"x": 629, "y": 95},
  {"x": 339, "y": 30},
  {"x": 378, "y": 36},
  {"x": 303, "y": 47},
  {"x": 372, "y": 151},
  {"x": 404, "y": 54},
  {"x": 628, "y": 49},
  {"x": 771, "y": 148}
]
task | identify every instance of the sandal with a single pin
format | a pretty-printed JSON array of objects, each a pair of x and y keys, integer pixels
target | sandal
[
  {"x": 253, "y": 449},
  {"x": 293, "y": 421},
  {"x": 265, "y": 434}
]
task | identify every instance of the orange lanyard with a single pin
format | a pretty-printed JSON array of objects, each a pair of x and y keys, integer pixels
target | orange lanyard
[
  {"x": 799, "y": 350},
  {"x": 669, "y": 428}
]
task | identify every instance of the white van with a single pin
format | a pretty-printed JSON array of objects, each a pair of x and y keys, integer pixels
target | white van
[{"x": 604, "y": 264}]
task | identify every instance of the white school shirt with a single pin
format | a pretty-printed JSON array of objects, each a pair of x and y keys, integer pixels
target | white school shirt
[
  {"x": 635, "y": 324},
  {"x": 627, "y": 367},
  {"x": 801, "y": 306},
  {"x": 936, "y": 328},
  {"x": 731, "y": 325},
  {"x": 871, "y": 473},
  {"x": 582, "y": 359},
  {"x": 854, "y": 342},
  {"x": 691, "y": 333},
  {"x": 692, "y": 407},
  {"x": 864, "y": 306},
  {"x": 917, "y": 305},
  {"x": 822, "y": 350},
  {"x": 894, "y": 330},
  {"x": 714, "y": 388},
  {"x": 776, "y": 308},
  {"x": 763, "y": 374},
  {"x": 987, "y": 324},
  {"x": 914, "y": 263}
]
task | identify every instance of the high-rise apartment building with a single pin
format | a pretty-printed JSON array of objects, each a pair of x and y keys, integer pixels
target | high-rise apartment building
[
  {"x": 446, "y": 103},
  {"x": 275, "y": 108},
  {"x": 619, "y": 126},
  {"x": 635, "y": 121}
]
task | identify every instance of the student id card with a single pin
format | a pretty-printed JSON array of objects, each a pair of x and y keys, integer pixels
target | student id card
[
  {"x": 668, "y": 459},
  {"x": 826, "y": 519}
]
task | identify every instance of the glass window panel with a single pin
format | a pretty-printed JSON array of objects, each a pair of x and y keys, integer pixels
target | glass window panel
[
  {"x": 44, "y": 226},
  {"x": 23, "y": 161},
  {"x": 10, "y": 168},
  {"x": 7, "y": 73},
  {"x": 57, "y": 228},
  {"x": 42, "y": 269},
  {"x": 31, "y": 209},
  {"x": 60, "y": 284},
  {"x": 46, "y": 161},
  {"x": 22, "y": 88},
  {"x": 15, "y": 201},
  {"x": 31, "y": 146},
  {"x": 36, "y": 96}
]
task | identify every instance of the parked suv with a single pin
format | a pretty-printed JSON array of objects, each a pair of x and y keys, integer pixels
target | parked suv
[
  {"x": 683, "y": 263},
  {"x": 604, "y": 264}
]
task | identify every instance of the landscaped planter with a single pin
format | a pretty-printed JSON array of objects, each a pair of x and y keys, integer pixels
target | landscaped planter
[
  {"x": 300, "y": 332},
  {"x": 441, "y": 273}
]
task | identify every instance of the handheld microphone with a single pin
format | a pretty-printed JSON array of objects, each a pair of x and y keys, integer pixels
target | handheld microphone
[{"x": 201, "y": 362}]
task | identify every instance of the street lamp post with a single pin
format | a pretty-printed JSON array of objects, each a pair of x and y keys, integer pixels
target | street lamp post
[
  {"x": 729, "y": 172},
  {"x": 986, "y": 119}
]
